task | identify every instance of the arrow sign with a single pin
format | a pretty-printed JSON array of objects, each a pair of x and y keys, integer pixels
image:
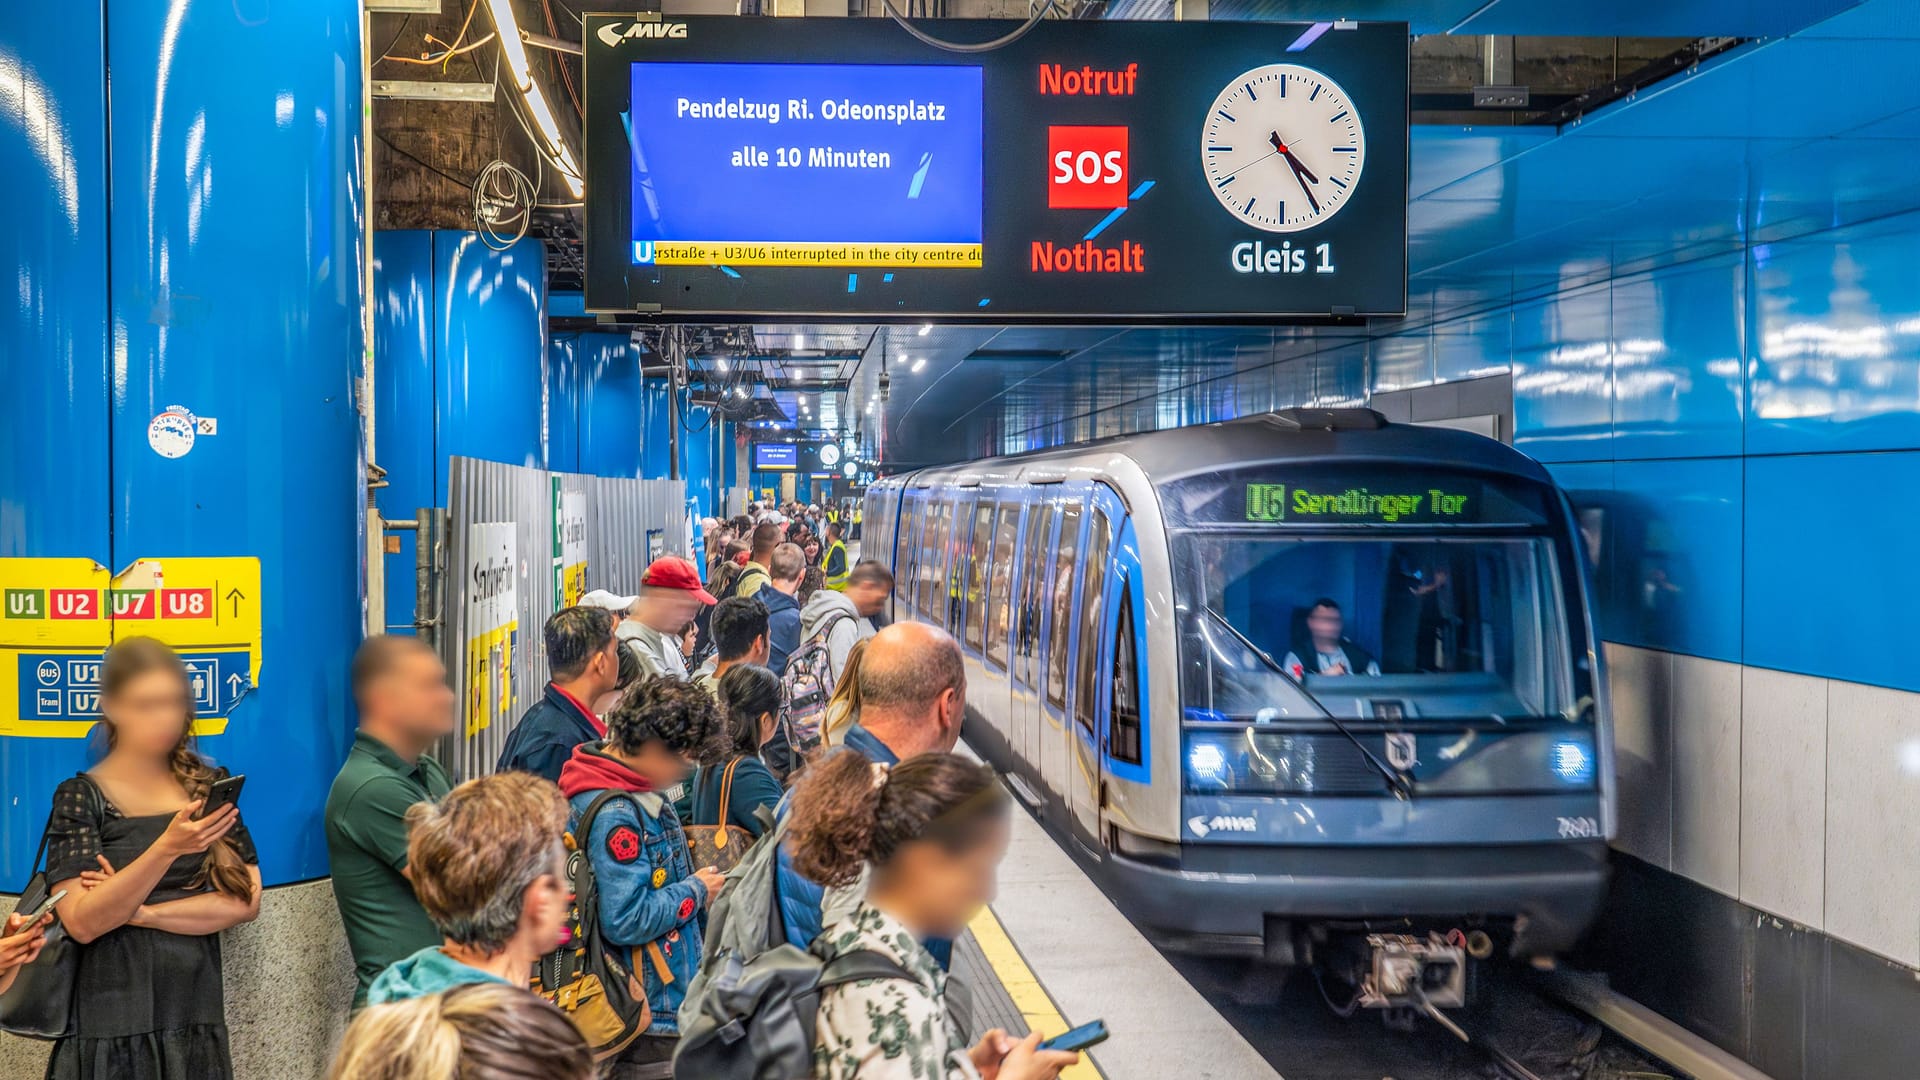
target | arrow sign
[
  {"x": 235, "y": 595},
  {"x": 234, "y": 683}
]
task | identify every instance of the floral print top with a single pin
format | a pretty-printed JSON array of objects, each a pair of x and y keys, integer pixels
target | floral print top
[{"x": 886, "y": 1029}]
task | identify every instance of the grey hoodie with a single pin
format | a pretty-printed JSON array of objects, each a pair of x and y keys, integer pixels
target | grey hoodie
[{"x": 828, "y": 606}]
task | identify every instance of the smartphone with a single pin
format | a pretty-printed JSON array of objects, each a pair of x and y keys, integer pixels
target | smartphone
[
  {"x": 45, "y": 907},
  {"x": 1079, "y": 1038},
  {"x": 222, "y": 793}
]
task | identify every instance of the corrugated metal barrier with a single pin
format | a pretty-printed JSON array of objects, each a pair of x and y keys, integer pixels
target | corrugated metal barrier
[{"x": 520, "y": 543}]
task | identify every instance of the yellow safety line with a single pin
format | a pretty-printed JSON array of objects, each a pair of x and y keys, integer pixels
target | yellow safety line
[{"x": 1031, "y": 998}]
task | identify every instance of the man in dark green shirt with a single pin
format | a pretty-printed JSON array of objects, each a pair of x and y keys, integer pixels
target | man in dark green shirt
[{"x": 405, "y": 706}]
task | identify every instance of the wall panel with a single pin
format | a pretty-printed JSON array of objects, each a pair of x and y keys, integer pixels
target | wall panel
[
  {"x": 1829, "y": 546},
  {"x": 53, "y": 346}
]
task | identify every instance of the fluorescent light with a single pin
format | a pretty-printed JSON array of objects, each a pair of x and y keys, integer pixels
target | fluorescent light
[
  {"x": 516, "y": 53},
  {"x": 510, "y": 46},
  {"x": 721, "y": 362},
  {"x": 918, "y": 364},
  {"x": 925, "y": 329},
  {"x": 739, "y": 391}
]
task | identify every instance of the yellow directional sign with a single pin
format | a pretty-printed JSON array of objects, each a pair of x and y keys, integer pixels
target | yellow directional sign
[{"x": 59, "y": 616}]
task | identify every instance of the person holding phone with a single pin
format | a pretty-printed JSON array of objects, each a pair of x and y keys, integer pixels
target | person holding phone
[
  {"x": 20, "y": 943},
  {"x": 933, "y": 828},
  {"x": 150, "y": 883}
]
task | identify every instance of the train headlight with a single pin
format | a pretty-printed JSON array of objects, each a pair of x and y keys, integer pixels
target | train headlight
[
  {"x": 1573, "y": 761},
  {"x": 1206, "y": 763}
]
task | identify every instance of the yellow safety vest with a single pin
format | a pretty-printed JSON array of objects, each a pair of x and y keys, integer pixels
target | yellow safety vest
[{"x": 838, "y": 582}]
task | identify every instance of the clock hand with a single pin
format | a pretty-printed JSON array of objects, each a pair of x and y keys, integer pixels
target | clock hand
[
  {"x": 1299, "y": 166},
  {"x": 1301, "y": 176},
  {"x": 1250, "y": 165}
]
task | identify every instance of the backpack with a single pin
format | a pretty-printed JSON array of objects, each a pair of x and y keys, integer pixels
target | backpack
[
  {"x": 585, "y": 977},
  {"x": 805, "y": 689},
  {"x": 750, "y": 1012},
  {"x": 747, "y": 573}
]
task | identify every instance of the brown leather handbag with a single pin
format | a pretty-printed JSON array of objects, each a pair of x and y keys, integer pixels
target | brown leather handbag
[{"x": 720, "y": 845}]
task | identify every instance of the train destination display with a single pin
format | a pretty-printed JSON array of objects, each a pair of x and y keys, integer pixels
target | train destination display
[{"x": 1088, "y": 171}]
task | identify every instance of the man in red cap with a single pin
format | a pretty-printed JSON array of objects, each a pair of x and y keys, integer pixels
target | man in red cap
[{"x": 670, "y": 596}]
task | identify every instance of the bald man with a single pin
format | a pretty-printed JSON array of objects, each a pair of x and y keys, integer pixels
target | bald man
[
  {"x": 913, "y": 697},
  {"x": 913, "y": 694}
]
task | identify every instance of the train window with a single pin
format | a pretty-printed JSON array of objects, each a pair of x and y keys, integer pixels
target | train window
[
  {"x": 1032, "y": 588},
  {"x": 1090, "y": 621},
  {"x": 1123, "y": 719},
  {"x": 1062, "y": 602},
  {"x": 959, "y": 543},
  {"x": 977, "y": 567},
  {"x": 934, "y": 573},
  {"x": 903, "y": 574},
  {"x": 1000, "y": 582},
  {"x": 1461, "y": 627}
]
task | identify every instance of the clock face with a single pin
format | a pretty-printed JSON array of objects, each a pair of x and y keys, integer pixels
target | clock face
[
  {"x": 1283, "y": 148},
  {"x": 829, "y": 454}
]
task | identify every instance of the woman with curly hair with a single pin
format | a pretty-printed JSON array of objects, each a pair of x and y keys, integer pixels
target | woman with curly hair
[{"x": 652, "y": 900}]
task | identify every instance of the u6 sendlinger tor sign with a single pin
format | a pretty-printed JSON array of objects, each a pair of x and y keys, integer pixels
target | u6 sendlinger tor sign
[{"x": 1091, "y": 171}]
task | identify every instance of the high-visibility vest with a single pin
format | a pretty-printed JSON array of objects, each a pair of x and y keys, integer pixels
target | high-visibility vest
[{"x": 838, "y": 582}]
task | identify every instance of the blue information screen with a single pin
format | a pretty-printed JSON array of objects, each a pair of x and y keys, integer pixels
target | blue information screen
[
  {"x": 776, "y": 456},
  {"x": 806, "y": 164}
]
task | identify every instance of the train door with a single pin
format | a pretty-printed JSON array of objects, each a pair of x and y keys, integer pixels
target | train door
[
  {"x": 1063, "y": 574},
  {"x": 905, "y": 553},
  {"x": 961, "y": 579},
  {"x": 1036, "y": 545},
  {"x": 998, "y": 603},
  {"x": 1094, "y": 634}
]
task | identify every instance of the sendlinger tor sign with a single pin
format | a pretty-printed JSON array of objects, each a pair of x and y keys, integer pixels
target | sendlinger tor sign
[{"x": 1278, "y": 502}]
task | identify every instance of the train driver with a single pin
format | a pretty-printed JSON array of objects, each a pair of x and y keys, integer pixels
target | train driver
[{"x": 1333, "y": 654}]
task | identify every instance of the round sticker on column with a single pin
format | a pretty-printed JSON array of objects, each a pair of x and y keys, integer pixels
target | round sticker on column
[{"x": 171, "y": 433}]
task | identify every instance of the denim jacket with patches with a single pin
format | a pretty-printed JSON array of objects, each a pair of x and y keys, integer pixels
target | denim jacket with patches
[{"x": 647, "y": 894}]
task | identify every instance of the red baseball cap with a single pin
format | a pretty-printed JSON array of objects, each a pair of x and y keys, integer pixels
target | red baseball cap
[{"x": 673, "y": 572}]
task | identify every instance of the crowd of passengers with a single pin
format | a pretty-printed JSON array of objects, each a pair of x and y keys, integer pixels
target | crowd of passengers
[{"x": 658, "y": 754}]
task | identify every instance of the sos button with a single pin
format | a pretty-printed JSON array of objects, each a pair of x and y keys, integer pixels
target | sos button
[{"x": 1087, "y": 168}]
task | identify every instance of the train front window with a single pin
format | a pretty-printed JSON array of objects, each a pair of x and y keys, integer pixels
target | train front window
[{"x": 1403, "y": 630}]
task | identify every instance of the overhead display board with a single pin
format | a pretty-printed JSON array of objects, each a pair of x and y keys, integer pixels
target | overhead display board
[
  {"x": 813, "y": 458},
  {"x": 1092, "y": 171},
  {"x": 778, "y": 456}
]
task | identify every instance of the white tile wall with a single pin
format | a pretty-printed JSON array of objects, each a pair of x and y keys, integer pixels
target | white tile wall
[
  {"x": 1706, "y": 771},
  {"x": 1783, "y": 782},
  {"x": 1642, "y": 751},
  {"x": 1873, "y": 819},
  {"x": 1795, "y": 794}
]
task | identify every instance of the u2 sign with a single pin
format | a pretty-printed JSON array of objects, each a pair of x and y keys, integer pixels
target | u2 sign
[{"x": 58, "y": 617}]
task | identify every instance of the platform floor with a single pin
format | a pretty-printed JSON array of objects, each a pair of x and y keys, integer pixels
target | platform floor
[{"x": 1053, "y": 952}]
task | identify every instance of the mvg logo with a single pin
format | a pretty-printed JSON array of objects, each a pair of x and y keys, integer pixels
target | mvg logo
[
  {"x": 1201, "y": 824},
  {"x": 611, "y": 35}
]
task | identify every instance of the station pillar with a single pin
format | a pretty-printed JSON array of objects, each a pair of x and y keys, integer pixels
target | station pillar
[{"x": 183, "y": 453}]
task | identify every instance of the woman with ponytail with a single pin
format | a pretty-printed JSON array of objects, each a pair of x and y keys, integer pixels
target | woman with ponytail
[
  {"x": 933, "y": 830},
  {"x": 149, "y": 887}
]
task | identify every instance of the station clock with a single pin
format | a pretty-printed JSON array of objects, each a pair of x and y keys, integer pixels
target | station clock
[{"x": 1283, "y": 147}]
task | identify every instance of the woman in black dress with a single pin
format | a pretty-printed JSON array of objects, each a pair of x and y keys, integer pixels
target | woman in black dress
[{"x": 149, "y": 887}]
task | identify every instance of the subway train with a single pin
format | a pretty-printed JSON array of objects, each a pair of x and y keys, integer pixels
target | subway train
[{"x": 1306, "y": 686}]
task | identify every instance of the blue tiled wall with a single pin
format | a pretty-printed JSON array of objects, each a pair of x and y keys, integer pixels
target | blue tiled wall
[{"x": 1749, "y": 427}]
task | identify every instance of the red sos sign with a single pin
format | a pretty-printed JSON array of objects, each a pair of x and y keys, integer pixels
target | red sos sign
[{"x": 1087, "y": 168}]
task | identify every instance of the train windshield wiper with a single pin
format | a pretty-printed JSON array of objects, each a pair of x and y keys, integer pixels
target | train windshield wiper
[{"x": 1396, "y": 781}]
